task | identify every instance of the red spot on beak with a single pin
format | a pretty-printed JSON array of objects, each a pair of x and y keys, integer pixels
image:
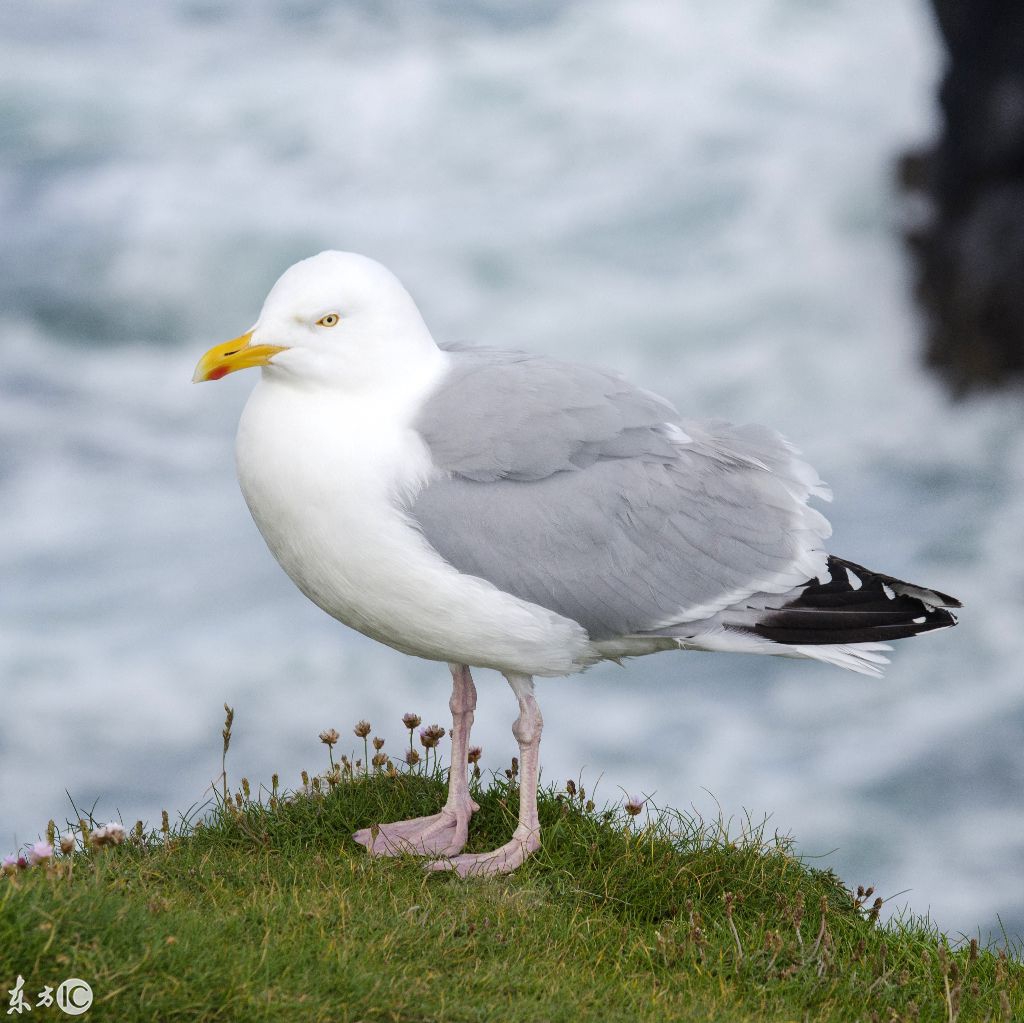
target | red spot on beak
[{"x": 216, "y": 374}]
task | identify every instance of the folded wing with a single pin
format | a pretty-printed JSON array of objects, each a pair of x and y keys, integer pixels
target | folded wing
[{"x": 570, "y": 488}]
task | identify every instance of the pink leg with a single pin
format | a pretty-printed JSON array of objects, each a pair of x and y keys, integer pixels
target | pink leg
[
  {"x": 444, "y": 833},
  {"x": 526, "y": 838}
]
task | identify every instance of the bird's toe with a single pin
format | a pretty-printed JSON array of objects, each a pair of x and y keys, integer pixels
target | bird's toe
[
  {"x": 441, "y": 834},
  {"x": 395, "y": 839},
  {"x": 502, "y": 860}
]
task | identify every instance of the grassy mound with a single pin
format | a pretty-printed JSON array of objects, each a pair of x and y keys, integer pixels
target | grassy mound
[{"x": 264, "y": 909}]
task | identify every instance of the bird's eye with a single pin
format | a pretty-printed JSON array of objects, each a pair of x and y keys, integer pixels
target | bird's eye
[{"x": 330, "y": 320}]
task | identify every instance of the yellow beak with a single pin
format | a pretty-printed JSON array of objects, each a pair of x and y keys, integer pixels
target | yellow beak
[{"x": 238, "y": 353}]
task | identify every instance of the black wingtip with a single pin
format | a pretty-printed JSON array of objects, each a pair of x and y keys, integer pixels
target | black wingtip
[
  {"x": 936, "y": 598},
  {"x": 856, "y": 605}
]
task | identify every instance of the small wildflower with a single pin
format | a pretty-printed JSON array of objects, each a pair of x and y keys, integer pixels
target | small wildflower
[
  {"x": 474, "y": 754},
  {"x": 634, "y": 805},
  {"x": 329, "y": 736},
  {"x": 139, "y": 831},
  {"x": 590, "y": 806},
  {"x": 41, "y": 852},
  {"x": 362, "y": 729},
  {"x": 274, "y": 782},
  {"x": 9, "y": 864},
  {"x": 862, "y": 896},
  {"x": 412, "y": 758},
  {"x": 305, "y": 779},
  {"x": 411, "y": 721},
  {"x": 245, "y": 787},
  {"x": 108, "y": 834},
  {"x": 570, "y": 787},
  {"x": 730, "y": 899},
  {"x": 316, "y": 784},
  {"x": 165, "y": 825},
  {"x": 67, "y": 843},
  {"x": 378, "y": 743},
  {"x": 229, "y": 717},
  {"x": 427, "y": 740},
  {"x": 379, "y": 760},
  {"x": 798, "y": 913}
]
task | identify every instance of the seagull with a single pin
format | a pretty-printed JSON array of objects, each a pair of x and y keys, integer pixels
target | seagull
[{"x": 501, "y": 509}]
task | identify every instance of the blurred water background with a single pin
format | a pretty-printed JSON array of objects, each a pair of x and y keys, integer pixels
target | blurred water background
[{"x": 696, "y": 194}]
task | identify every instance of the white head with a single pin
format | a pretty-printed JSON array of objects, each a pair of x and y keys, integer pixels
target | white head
[{"x": 337, "y": 318}]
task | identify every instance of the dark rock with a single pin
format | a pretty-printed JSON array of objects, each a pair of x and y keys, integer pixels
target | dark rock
[{"x": 965, "y": 222}]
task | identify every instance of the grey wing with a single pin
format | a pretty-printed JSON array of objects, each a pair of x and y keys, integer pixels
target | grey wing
[{"x": 568, "y": 487}]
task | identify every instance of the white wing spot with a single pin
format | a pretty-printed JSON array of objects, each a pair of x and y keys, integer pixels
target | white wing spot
[
  {"x": 855, "y": 580},
  {"x": 920, "y": 621},
  {"x": 888, "y": 591},
  {"x": 678, "y": 435}
]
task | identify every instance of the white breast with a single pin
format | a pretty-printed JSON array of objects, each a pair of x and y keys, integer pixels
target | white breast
[{"x": 326, "y": 477}]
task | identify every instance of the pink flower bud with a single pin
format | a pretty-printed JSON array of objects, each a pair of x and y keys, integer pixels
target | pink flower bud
[{"x": 41, "y": 852}]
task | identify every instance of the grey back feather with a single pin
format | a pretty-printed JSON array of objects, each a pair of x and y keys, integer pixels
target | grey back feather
[{"x": 570, "y": 488}]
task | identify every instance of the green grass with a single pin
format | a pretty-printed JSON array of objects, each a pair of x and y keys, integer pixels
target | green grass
[{"x": 268, "y": 911}]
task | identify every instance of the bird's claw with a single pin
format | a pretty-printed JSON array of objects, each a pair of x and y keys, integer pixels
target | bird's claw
[
  {"x": 502, "y": 860},
  {"x": 441, "y": 834}
]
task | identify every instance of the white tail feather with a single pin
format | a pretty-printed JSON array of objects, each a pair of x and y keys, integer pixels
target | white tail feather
[{"x": 864, "y": 658}]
